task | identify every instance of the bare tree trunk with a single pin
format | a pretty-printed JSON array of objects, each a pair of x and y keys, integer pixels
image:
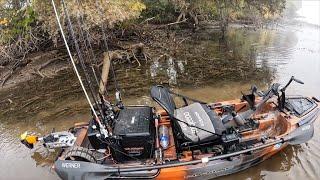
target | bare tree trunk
[
  {"x": 107, "y": 58},
  {"x": 105, "y": 72}
]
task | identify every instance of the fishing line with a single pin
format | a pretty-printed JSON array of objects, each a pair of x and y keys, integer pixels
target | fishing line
[
  {"x": 81, "y": 60},
  {"x": 107, "y": 48},
  {"x": 103, "y": 130},
  {"x": 93, "y": 94},
  {"x": 110, "y": 144},
  {"x": 88, "y": 51},
  {"x": 85, "y": 37},
  {"x": 88, "y": 37}
]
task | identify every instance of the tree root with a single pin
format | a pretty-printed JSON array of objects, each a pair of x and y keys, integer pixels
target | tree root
[
  {"x": 46, "y": 64},
  {"x": 6, "y": 78},
  {"x": 14, "y": 67},
  {"x": 134, "y": 56}
]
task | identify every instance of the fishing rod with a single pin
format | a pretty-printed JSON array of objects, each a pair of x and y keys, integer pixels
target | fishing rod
[
  {"x": 86, "y": 38},
  {"x": 84, "y": 35},
  {"x": 103, "y": 130},
  {"x": 118, "y": 95},
  {"x": 87, "y": 41},
  {"x": 86, "y": 49},
  {"x": 81, "y": 60},
  {"x": 99, "y": 105}
]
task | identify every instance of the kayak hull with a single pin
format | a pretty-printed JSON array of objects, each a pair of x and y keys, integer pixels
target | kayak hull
[{"x": 84, "y": 170}]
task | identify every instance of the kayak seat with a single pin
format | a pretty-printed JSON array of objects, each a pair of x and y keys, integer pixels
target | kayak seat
[{"x": 195, "y": 123}]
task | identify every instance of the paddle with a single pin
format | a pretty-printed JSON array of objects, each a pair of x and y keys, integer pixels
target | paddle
[{"x": 300, "y": 135}]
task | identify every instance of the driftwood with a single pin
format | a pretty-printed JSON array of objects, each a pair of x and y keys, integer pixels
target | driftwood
[{"x": 107, "y": 58}]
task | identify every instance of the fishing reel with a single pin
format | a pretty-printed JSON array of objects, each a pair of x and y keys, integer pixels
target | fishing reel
[
  {"x": 110, "y": 110},
  {"x": 119, "y": 103}
]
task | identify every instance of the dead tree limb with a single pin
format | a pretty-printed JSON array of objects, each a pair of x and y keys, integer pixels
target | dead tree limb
[{"x": 173, "y": 23}]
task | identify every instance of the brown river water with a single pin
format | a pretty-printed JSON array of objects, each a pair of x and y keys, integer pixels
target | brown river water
[{"x": 205, "y": 68}]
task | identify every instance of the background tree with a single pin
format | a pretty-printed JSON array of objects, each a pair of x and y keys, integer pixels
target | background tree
[{"x": 30, "y": 25}]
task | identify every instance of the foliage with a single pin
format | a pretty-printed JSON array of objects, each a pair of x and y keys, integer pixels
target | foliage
[
  {"x": 20, "y": 32},
  {"x": 29, "y": 23},
  {"x": 25, "y": 21},
  {"x": 214, "y": 9},
  {"x": 161, "y": 10},
  {"x": 19, "y": 25}
]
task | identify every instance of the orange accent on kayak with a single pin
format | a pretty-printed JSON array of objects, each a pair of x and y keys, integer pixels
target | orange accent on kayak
[{"x": 173, "y": 173}]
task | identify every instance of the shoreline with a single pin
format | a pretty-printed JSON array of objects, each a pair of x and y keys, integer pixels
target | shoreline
[{"x": 43, "y": 64}]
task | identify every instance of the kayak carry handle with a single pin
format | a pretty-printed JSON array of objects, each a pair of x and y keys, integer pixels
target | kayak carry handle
[{"x": 291, "y": 79}]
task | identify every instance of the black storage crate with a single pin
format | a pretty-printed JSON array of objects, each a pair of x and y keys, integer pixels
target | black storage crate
[{"x": 135, "y": 127}]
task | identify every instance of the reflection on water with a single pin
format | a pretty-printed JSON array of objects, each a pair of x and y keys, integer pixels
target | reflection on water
[
  {"x": 205, "y": 67},
  {"x": 171, "y": 72},
  {"x": 269, "y": 48},
  {"x": 308, "y": 11}
]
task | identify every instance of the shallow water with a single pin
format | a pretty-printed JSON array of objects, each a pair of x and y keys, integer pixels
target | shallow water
[{"x": 206, "y": 68}]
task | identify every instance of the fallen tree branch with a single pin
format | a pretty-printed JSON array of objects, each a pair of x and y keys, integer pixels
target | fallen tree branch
[
  {"x": 147, "y": 20},
  {"x": 173, "y": 23}
]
